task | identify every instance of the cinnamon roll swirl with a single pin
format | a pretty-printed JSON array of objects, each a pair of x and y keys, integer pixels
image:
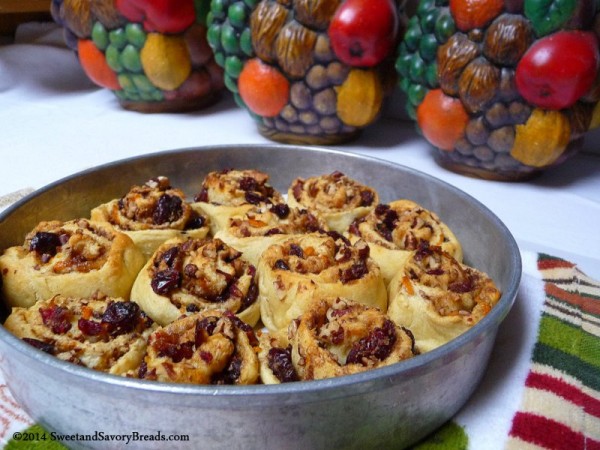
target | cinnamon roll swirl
[
  {"x": 439, "y": 298},
  {"x": 393, "y": 230},
  {"x": 292, "y": 272},
  {"x": 190, "y": 275},
  {"x": 265, "y": 225},
  {"x": 101, "y": 333},
  {"x": 209, "y": 347},
  {"x": 336, "y": 197},
  {"x": 231, "y": 192},
  {"x": 75, "y": 258},
  {"x": 152, "y": 213},
  {"x": 334, "y": 337}
]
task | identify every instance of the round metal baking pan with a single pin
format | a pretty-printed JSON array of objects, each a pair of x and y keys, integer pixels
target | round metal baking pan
[{"x": 391, "y": 407}]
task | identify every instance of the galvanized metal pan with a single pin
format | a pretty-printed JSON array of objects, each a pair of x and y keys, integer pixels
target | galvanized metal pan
[{"x": 391, "y": 407}]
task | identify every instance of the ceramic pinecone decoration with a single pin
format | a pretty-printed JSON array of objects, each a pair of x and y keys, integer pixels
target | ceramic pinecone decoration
[
  {"x": 308, "y": 71},
  {"x": 502, "y": 88},
  {"x": 153, "y": 54}
]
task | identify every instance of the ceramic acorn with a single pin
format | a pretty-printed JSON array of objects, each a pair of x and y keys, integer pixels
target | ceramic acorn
[
  {"x": 152, "y": 54},
  {"x": 308, "y": 71},
  {"x": 503, "y": 89}
]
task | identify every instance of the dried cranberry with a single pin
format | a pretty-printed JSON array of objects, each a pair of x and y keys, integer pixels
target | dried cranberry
[
  {"x": 40, "y": 345},
  {"x": 253, "y": 198},
  {"x": 280, "y": 363},
  {"x": 243, "y": 326},
  {"x": 390, "y": 219},
  {"x": 436, "y": 271},
  {"x": 281, "y": 264},
  {"x": 355, "y": 272},
  {"x": 191, "y": 308},
  {"x": 281, "y": 210},
  {"x": 90, "y": 327},
  {"x": 202, "y": 196},
  {"x": 353, "y": 229},
  {"x": 165, "y": 281},
  {"x": 168, "y": 209},
  {"x": 366, "y": 198},
  {"x": 338, "y": 236},
  {"x": 204, "y": 327},
  {"x": 121, "y": 317},
  {"x": 248, "y": 184},
  {"x": 195, "y": 222},
  {"x": 273, "y": 231},
  {"x": 296, "y": 250},
  {"x": 143, "y": 370},
  {"x": 177, "y": 352},
  {"x": 170, "y": 256},
  {"x": 463, "y": 286},
  {"x": 336, "y": 175},
  {"x": 45, "y": 243},
  {"x": 207, "y": 357},
  {"x": 251, "y": 296},
  {"x": 381, "y": 209},
  {"x": 57, "y": 318},
  {"x": 377, "y": 344},
  {"x": 231, "y": 373}
]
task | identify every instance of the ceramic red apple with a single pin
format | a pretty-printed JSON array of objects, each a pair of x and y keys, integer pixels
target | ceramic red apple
[
  {"x": 363, "y": 32},
  {"x": 559, "y": 69},
  {"x": 164, "y": 16}
]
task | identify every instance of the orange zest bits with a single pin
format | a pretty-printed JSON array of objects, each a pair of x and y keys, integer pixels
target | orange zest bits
[
  {"x": 263, "y": 88},
  {"x": 408, "y": 286},
  {"x": 470, "y": 14},
  {"x": 95, "y": 66},
  {"x": 442, "y": 119}
]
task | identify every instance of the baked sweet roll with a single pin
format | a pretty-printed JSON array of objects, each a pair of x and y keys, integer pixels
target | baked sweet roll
[
  {"x": 336, "y": 197},
  {"x": 334, "y": 337},
  {"x": 439, "y": 298},
  {"x": 265, "y": 225},
  {"x": 75, "y": 258},
  {"x": 152, "y": 213},
  {"x": 99, "y": 332},
  {"x": 393, "y": 230},
  {"x": 229, "y": 193},
  {"x": 292, "y": 272},
  {"x": 189, "y": 275},
  {"x": 209, "y": 347}
]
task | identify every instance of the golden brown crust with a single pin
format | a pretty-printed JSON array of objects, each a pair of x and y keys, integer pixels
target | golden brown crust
[
  {"x": 75, "y": 258},
  {"x": 209, "y": 347},
  {"x": 335, "y": 337},
  {"x": 439, "y": 298},
  {"x": 292, "y": 272},
  {"x": 152, "y": 213},
  {"x": 393, "y": 230},
  {"x": 105, "y": 334},
  {"x": 336, "y": 197},
  {"x": 190, "y": 275},
  {"x": 228, "y": 193}
]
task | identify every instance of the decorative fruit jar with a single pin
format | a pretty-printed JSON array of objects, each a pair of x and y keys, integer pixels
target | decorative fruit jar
[
  {"x": 308, "y": 71},
  {"x": 502, "y": 88},
  {"x": 153, "y": 54}
]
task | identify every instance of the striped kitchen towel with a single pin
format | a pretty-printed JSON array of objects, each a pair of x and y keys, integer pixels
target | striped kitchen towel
[{"x": 560, "y": 406}]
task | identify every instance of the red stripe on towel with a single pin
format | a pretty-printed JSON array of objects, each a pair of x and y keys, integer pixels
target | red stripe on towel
[
  {"x": 547, "y": 433},
  {"x": 565, "y": 390},
  {"x": 588, "y": 305}
]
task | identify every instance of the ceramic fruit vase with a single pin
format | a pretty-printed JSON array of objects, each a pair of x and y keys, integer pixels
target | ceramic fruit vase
[
  {"x": 308, "y": 71},
  {"x": 152, "y": 54},
  {"x": 502, "y": 88}
]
